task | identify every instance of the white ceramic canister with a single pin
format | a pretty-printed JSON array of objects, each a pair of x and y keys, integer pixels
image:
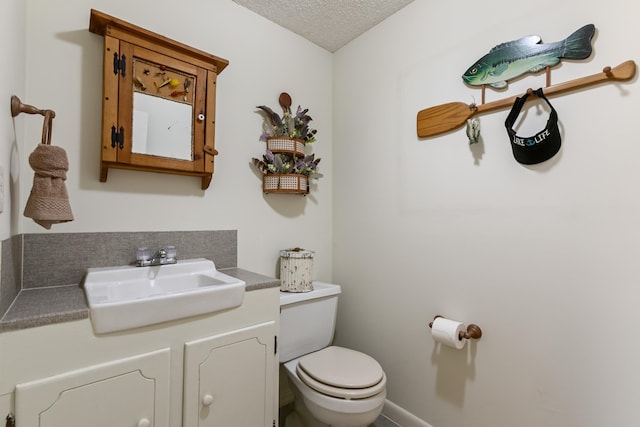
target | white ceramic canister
[{"x": 296, "y": 267}]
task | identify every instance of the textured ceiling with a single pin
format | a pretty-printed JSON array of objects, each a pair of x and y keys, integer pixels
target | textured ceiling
[{"x": 328, "y": 23}]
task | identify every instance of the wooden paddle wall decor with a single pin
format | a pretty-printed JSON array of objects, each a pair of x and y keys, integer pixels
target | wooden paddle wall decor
[{"x": 446, "y": 117}]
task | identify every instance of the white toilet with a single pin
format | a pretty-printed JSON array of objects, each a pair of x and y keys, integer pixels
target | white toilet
[{"x": 333, "y": 386}]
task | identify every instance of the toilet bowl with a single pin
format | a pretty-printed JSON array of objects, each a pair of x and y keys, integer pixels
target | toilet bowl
[
  {"x": 324, "y": 383},
  {"x": 332, "y": 386}
]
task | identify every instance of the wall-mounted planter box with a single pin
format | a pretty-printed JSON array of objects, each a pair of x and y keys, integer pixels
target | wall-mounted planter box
[
  {"x": 286, "y": 166},
  {"x": 285, "y": 144},
  {"x": 285, "y": 183}
]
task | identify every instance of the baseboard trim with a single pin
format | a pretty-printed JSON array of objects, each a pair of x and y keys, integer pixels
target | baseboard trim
[{"x": 402, "y": 417}]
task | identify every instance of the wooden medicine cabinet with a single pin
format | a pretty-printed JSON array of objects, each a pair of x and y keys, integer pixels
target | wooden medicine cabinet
[{"x": 159, "y": 102}]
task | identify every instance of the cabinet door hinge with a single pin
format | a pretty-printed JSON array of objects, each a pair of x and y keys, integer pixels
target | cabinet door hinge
[
  {"x": 117, "y": 138},
  {"x": 11, "y": 421},
  {"x": 119, "y": 64},
  {"x": 274, "y": 423},
  {"x": 275, "y": 344}
]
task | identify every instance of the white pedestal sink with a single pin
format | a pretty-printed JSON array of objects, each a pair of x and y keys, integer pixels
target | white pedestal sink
[{"x": 128, "y": 297}]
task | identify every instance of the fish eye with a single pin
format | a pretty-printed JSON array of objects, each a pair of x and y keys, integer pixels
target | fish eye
[{"x": 473, "y": 70}]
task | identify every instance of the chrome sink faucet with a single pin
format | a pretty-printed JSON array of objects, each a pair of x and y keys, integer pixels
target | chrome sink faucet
[{"x": 163, "y": 256}]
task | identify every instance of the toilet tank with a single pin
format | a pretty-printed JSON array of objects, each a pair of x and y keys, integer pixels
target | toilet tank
[{"x": 307, "y": 320}]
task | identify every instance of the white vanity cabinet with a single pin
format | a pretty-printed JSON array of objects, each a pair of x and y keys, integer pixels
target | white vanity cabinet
[
  {"x": 126, "y": 392},
  {"x": 229, "y": 379},
  {"x": 208, "y": 370}
]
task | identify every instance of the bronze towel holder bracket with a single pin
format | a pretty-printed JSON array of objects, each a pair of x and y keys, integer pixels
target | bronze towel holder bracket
[{"x": 18, "y": 107}]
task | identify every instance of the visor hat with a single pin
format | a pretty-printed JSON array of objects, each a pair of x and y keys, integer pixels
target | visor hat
[{"x": 539, "y": 147}]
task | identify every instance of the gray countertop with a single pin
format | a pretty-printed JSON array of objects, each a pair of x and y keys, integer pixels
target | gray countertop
[{"x": 44, "y": 306}]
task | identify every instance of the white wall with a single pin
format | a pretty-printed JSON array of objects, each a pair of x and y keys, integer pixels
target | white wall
[
  {"x": 543, "y": 258},
  {"x": 12, "y": 45},
  {"x": 64, "y": 73}
]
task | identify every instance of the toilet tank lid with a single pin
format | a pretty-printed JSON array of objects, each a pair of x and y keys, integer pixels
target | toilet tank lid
[{"x": 320, "y": 290}]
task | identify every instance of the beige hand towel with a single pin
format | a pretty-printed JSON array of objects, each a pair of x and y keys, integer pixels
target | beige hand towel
[{"x": 48, "y": 202}]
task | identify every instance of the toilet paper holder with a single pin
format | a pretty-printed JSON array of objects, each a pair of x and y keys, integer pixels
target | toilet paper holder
[{"x": 473, "y": 331}]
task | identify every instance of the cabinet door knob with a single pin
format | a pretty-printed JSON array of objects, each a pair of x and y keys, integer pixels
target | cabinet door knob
[
  {"x": 144, "y": 422},
  {"x": 207, "y": 400}
]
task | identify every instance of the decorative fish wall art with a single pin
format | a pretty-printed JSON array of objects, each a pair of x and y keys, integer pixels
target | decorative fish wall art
[{"x": 528, "y": 54}]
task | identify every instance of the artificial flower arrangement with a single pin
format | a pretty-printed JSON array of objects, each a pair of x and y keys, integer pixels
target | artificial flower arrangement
[
  {"x": 286, "y": 137},
  {"x": 294, "y": 126},
  {"x": 280, "y": 163}
]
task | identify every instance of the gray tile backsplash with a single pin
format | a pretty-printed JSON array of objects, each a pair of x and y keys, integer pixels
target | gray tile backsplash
[
  {"x": 58, "y": 259},
  {"x": 10, "y": 275}
]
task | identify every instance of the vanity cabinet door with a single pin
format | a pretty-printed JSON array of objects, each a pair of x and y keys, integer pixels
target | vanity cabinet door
[
  {"x": 126, "y": 392},
  {"x": 229, "y": 379}
]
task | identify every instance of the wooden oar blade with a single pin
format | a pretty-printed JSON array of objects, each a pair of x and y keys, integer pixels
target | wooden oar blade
[
  {"x": 624, "y": 71},
  {"x": 442, "y": 118}
]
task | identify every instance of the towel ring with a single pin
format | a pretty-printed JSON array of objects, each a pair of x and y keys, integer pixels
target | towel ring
[{"x": 18, "y": 107}]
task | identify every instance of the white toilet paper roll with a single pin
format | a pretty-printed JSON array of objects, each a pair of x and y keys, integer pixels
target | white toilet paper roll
[{"x": 447, "y": 332}]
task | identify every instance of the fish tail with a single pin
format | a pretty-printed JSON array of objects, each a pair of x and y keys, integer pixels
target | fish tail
[{"x": 578, "y": 44}]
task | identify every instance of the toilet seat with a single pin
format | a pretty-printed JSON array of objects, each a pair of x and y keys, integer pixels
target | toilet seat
[{"x": 341, "y": 372}]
